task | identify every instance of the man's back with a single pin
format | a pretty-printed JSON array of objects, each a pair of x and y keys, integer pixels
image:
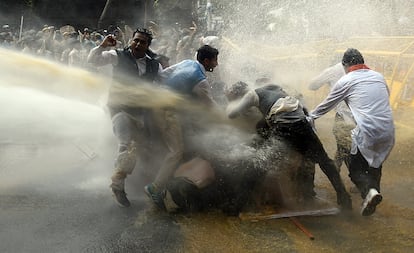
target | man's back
[
  {"x": 185, "y": 75},
  {"x": 367, "y": 96}
]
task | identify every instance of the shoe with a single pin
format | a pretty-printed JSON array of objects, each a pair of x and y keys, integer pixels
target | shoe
[
  {"x": 155, "y": 195},
  {"x": 370, "y": 203},
  {"x": 120, "y": 197}
]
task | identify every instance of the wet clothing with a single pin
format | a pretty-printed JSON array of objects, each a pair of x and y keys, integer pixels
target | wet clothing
[
  {"x": 342, "y": 132},
  {"x": 286, "y": 118},
  {"x": 127, "y": 70},
  {"x": 366, "y": 93},
  {"x": 127, "y": 67},
  {"x": 169, "y": 125},
  {"x": 364, "y": 176},
  {"x": 328, "y": 76},
  {"x": 187, "y": 77},
  {"x": 130, "y": 123},
  {"x": 132, "y": 140},
  {"x": 344, "y": 121}
]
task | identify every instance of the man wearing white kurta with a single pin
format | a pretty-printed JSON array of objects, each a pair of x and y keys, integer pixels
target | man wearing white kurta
[{"x": 366, "y": 93}]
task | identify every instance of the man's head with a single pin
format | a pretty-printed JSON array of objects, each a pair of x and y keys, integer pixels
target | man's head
[
  {"x": 6, "y": 27},
  {"x": 86, "y": 33},
  {"x": 141, "y": 40},
  {"x": 145, "y": 32},
  {"x": 352, "y": 57},
  {"x": 236, "y": 90},
  {"x": 207, "y": 56}
]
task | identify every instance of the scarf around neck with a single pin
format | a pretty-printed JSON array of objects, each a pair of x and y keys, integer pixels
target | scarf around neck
[{"x": 356, "y": 67}]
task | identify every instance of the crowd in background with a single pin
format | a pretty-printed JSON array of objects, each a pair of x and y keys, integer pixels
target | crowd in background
[{"x": 71, "y": 46}]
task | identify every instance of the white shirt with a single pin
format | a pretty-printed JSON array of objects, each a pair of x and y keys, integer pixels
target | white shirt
[
  {"x": 74, "y": 58},
  {"x": 330, "y": 76},
  {"x": 366, "y": 93},
  {"x": 99, "y": 56}
]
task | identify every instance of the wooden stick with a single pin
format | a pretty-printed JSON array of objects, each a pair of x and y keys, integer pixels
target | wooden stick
[
  {"x": 301, "y": 227},
  {"x": 287, "y": 214}
]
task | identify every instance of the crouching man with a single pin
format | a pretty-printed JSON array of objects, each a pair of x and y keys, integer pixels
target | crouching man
[{"x": 285, "y": 117}]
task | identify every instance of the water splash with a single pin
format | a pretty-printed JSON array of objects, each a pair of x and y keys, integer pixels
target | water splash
[{"x": 55, "y": 117}]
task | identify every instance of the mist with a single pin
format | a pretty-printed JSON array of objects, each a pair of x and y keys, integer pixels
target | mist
[
  {"x": 292, "y": 41},
  {"x": 57, "y": 133},
  {"x": 63, "y": 109},
  {"x": 57, "y": 148}
]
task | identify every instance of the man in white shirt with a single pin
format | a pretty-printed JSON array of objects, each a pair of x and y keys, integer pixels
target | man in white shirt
[{"x": 366, "y": 94}]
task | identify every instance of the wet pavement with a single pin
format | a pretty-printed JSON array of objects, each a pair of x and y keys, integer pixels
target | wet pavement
[
  {"x": 56, "y": 158},
  {"x": 73, "y": 211}
]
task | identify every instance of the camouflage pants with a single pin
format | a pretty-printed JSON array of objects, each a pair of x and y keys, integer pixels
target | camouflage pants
[
  {"x": 342, "y": 132},
  {"x": 132, "y": 138}
]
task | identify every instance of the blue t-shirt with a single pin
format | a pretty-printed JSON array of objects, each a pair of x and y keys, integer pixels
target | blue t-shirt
[{"x": 185, "y": 76}]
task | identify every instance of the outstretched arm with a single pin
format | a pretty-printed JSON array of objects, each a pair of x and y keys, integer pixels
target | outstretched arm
[
  {"x": 250, "y": 99},
  {"x": 329, "y": 76},
  {"x": 336, "y": 95}
]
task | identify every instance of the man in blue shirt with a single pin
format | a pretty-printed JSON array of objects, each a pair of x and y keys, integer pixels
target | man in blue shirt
[{"x": 189, "y": 79}]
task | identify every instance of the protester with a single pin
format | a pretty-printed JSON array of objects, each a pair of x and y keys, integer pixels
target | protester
[
  {"x": 250, "y": 116},
  {"x": 184, "y": 47},
  {"x": 366, "y": 93},
  {"x": 253, "y": 121},
  {"x": 86, "y": 39},
  {"x": 74, "y": 56},
  {"x": 284, "y": 117},
  {"x": 132, "y": 66},
  {"x": 344, "y": 121},
  {"x": 189, "y": 78}
]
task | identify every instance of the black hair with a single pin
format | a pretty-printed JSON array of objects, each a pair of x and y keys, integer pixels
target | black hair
[
  {"x": 145, "y": 32},
  {"x": 352, "y": 57},
  {"x": 236, "y": 90},
  {"x": 206, "y": 52}
]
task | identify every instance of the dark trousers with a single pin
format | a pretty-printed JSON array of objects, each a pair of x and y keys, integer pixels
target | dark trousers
[
  {"x": 302, "y": 137},
  {"x": 362, "y": 175}
]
